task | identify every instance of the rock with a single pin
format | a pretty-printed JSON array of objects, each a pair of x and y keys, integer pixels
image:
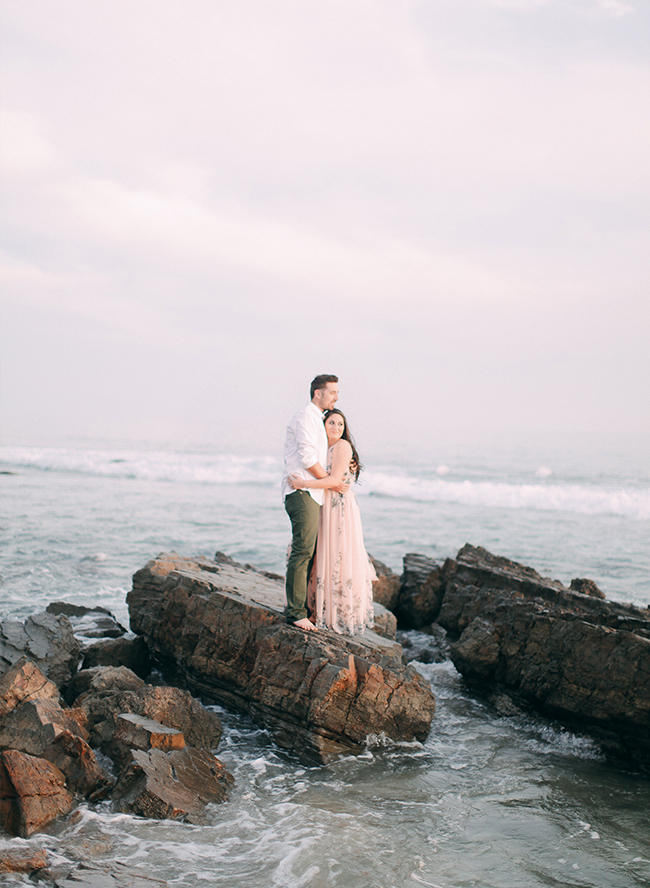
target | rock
[
  {"x": 24, "y": 681},
  {"x": 421, "y": 592},
  {"x": 32, "y": 793},
  {"x": 174, "y": 785},
  {"x": 113, "y": 875},
  {"x": 477, "y": 653},
  {"x": 385, "y": 622},
  {"x": 88, "y": 622},
  {"x": 42, "y": 729},
  {"x": 75, "y": 610},
  {"x": 138, "y": 732},
  {"x": 104, "y": 679},
  {"x": 570, "y": 655},
  {"x": 385, "y": 589},
  {"x": 130, "y": 652},
  {"x": 46, "y": 639},
  {"x": 587, "y": 587},
  {"x": 425, "y": 647},
  {"x": 107, "y": 692},
  {"x": 220, "y": 628},
  {"x": 22, "y": 860}
]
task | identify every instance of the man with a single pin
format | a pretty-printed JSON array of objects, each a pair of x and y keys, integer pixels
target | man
[{"x": 305, "y": 453}]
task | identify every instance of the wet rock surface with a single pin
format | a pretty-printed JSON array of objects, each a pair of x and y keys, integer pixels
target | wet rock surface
[
  {"x": 88, "y": 622},
  {"x": 570, "y": 655},
  {"x": 110, "y": 875},
  {"x": 22, "y": 860},
  {"x": 218, "y": 627},
  {"x": 175, "y": 785}
]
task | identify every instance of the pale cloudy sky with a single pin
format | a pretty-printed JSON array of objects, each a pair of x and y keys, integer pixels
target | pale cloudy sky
[{"x": 207, "y": 202}]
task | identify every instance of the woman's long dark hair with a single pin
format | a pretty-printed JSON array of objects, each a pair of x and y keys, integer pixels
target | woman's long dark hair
[{"x": 355, "y": 462}]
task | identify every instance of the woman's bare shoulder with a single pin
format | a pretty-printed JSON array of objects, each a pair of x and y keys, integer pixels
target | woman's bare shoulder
[{"x": 342, "y": 447}]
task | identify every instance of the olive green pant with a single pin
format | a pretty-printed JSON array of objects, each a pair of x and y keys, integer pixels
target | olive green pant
[{"x": 304, "y": 511}]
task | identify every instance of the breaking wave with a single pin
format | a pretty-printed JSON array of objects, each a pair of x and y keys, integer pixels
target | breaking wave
[
  {"x": 232, "y": 469},
  {"x": 584, "y": 500},
  {"x": 192, "y": 468}
]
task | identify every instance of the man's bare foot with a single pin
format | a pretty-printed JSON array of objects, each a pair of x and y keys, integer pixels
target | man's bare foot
[{"x": 306, "y": 624}]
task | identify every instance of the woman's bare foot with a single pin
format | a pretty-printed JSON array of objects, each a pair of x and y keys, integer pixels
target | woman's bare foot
[{"x": 306, "y": 624}]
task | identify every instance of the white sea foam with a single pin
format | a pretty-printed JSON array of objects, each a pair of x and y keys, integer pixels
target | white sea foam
[
  {"x": 231, "y": 469},
  {"x": 494, "y": 494},
  {"x": 193, "y": 468}
]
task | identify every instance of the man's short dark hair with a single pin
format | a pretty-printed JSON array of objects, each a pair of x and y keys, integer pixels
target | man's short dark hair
[{"x": 319, "y": 382}]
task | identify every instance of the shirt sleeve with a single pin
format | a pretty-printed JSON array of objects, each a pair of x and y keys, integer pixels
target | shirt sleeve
[{"x": 307, "y": 439}]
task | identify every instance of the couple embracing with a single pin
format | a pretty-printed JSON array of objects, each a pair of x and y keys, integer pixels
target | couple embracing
[{"x": 329, "y": 574}]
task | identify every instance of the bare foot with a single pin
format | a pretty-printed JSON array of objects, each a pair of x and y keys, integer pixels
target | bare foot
[{"x": 306, "y": 624}]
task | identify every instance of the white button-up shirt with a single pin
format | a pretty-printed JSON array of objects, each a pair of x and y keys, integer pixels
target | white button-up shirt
[{"x": 305, "y": 444}]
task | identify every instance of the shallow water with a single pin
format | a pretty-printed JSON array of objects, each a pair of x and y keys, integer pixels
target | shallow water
[{"x": 486, "y": 801}]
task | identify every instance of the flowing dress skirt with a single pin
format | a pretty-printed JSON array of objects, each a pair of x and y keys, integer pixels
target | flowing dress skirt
[{"x": 340, "y": 587}]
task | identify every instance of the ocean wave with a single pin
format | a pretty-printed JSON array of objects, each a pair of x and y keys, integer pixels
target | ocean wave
[
  {"x": 232, "y": 469},
  {"x": 496, "y": 494},
  {"x": 191, "y": 468}
]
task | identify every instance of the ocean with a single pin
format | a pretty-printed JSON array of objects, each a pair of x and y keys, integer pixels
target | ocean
[{"x": 487, "y": 801}]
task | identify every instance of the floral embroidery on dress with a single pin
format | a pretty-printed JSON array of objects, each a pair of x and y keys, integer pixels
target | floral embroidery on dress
[{"x": 340, "y": 588}]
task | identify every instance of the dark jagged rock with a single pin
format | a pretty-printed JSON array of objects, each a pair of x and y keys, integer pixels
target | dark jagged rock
[
  {"x": 130, "y": 652},
  {"x": 571, "y": 655},
  {"x": 421, "y": 592},
  {"x": 106, "y": 692},
  {"x": 385, "y": 589},
  {"x": 32, "y": 793},
  {"x": 219, "y": 627},
  {"x": 75, "y": 610},
  {"x": 46, "y": 639},
  {"x": 174, "y": 785},
  {"x": 88, "y": 622}
]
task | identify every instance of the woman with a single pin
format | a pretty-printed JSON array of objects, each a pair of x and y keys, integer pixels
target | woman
[{"x": 340, "y": 587}]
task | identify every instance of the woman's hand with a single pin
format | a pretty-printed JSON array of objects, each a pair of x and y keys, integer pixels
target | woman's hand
[{"x": 297, "y": 482}]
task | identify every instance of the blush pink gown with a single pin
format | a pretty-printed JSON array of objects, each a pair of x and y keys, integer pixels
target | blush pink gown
[{"x": 340, "y": 587}]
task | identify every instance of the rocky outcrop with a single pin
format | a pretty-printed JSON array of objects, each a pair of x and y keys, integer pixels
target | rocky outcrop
[
  {"x": 106, "y": 693},
  {"x": 43, "y": 729},
  {"x": 32, "y": 793},
  {"x": 421, "y": 592},
  {"x": 47, "y": 640},
  {"x": 175, "y": 785},
  {"x": 35, "y": 724},
  {"x": 219, "y": 628},
  {"x": 571, "y": 655}
]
